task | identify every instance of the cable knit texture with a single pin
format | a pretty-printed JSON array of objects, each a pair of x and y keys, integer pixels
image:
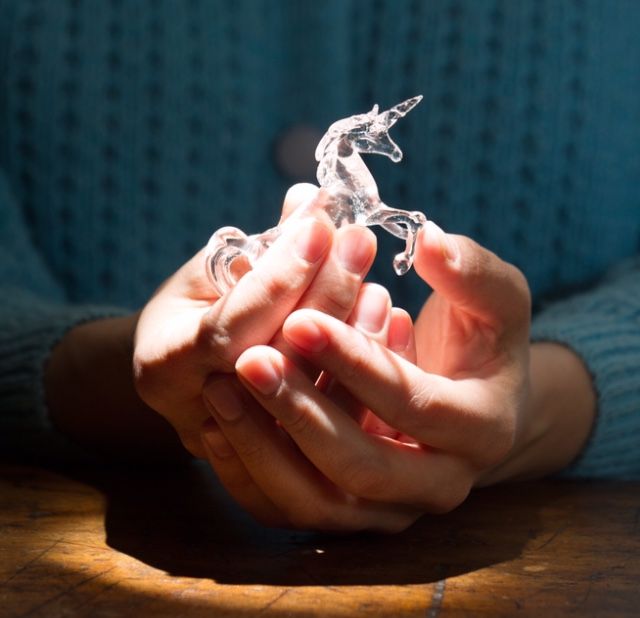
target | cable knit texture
[{"x": 129, "y": 131}]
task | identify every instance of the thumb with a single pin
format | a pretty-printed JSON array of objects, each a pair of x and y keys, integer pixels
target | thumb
[
  {"x": 299, "y": 195},
  {"x": 307, "y": 199},
  {"x": 472, "y": 278}
]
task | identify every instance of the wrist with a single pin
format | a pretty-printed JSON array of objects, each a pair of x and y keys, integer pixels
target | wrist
[
  {"x": 90, "y": 393},
  {"x": 556, "y": 418},
  {"x": 92, "y": 352}
]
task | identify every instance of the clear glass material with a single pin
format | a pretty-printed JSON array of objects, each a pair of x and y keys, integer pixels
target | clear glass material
[{"x": 352, "y": 196}]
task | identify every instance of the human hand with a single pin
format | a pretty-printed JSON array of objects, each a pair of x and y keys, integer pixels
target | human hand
[
  {"x": 186, "y": 333},
  {"x": 268, "y": 475},
  {"x": 457, "y": 411}
]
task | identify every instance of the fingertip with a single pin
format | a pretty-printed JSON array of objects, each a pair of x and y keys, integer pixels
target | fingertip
[
  {"x": 472, "y": 277},
  {"x": 437, "y": 243},
  {"x": 304, "y": 332},
  {"x": 372, "y": 309},
  {"x": 261, "y": 368},
  {"x": 298, "y": 195},
  {"x": 438, "y": 256},
  {"x": 400, "y": 337},
  {"x": 356, "y": 248},
  {"x": 312, "y": 239},
  {"x": 251, "y": 354}
]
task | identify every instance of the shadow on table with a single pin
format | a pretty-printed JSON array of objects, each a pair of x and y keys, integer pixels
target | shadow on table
[
  {"x": 180, "y": 520},
  {"x": 187, "y": 526}
]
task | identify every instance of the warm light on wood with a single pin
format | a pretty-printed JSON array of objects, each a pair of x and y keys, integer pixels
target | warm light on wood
[{"x": 125, "y": 544}]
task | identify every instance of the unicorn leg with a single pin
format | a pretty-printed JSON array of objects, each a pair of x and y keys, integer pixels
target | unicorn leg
[
  {"x": 225, "y": 246},
  {"x": 403, "y": 224}
]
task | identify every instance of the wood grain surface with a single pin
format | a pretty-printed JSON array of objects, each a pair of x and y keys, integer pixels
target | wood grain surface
[{"x": 84, "y": 541}]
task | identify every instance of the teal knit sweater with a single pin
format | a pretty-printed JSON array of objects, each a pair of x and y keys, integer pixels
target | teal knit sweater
[{"x": 129, "y": 131}]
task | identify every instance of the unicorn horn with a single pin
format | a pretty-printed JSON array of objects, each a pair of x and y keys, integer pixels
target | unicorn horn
[{"x": 391, "y": 116}]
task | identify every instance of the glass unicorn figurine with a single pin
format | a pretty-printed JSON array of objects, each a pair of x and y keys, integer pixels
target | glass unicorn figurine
[{"x": 352, "y": 190}]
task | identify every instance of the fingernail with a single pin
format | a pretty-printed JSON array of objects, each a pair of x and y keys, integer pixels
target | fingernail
[
  {"x": 312, "y": 240},
  {"x": 305, "y": 334},
  {"x": 215, "y": 441},
  {"x": 400, "y": 331},
  {"x": 261, "y": 373},
  {"x": 354, "y": 249},
  {"x": 372, "y": 309},
  {"x": 221, "y": 399},
  {"x": 448, "y": 245}
]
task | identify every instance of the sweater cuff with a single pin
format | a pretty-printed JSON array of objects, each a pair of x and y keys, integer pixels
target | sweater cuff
[
  {"x": 24, "y": 352},
  {"x": 609, "y": 346}
]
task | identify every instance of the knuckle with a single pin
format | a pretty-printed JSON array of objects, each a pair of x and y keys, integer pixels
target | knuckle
[
  {"x": 297, "y": 422},
  {"x": 279, "y": 286},
  {"x": 422, "y": 405},
  {"x": 216, "y": 345},
  {"x": 150, "y": 378},
  {"x": 358, "y": 361},
  {"x": 269, "y": 286},
  {"x": 452, "y": 496},
  {"x": 365, "y": 479},
  {"x": 337, "y": 301}
]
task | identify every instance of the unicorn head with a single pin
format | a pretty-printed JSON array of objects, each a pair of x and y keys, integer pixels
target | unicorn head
[{"x": 366, "y": 133}]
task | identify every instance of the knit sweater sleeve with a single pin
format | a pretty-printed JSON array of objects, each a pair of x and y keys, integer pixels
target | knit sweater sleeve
[
  {"x": 603, "y": 327},
  {"x": 34, "y": 315}
]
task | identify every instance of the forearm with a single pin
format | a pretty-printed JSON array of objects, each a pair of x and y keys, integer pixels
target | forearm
[
  {"x": 556, "y": 420},
  {"x": 91, "y": 397}
]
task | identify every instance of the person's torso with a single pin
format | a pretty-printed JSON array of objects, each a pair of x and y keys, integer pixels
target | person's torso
[{"x": 132, "y": 130}]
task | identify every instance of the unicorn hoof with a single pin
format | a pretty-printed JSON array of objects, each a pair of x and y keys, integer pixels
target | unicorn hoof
[{"x": 401, "y": 264}]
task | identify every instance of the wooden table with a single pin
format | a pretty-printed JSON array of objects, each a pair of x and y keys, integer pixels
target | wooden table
[{"x": 80, "y": 541}]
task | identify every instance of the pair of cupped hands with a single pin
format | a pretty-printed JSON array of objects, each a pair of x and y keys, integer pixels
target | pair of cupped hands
[{"x": 317, "y": 403}]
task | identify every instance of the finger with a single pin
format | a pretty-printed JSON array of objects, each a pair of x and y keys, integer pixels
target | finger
[
  {"x": 402, "y": 341},
  {"x": 401, "y": 338},
  {"x": 365, "y": 465},
  {"x": 371, "y": 316},
  {"x": 298, "y": 197},
  {"x": 372, "y": 312},
  {"x": 335, "y": 288},
  {"x": 255, "y": 308},
  {"x": 472, "y": 278},
  {"x": 305, "y": 199},
  {"x": 187, "y": 425},
  {"x": 433, "y": 409},
  {"x": 285, "y": 475},
  {"x": 234, "y": 476}
]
